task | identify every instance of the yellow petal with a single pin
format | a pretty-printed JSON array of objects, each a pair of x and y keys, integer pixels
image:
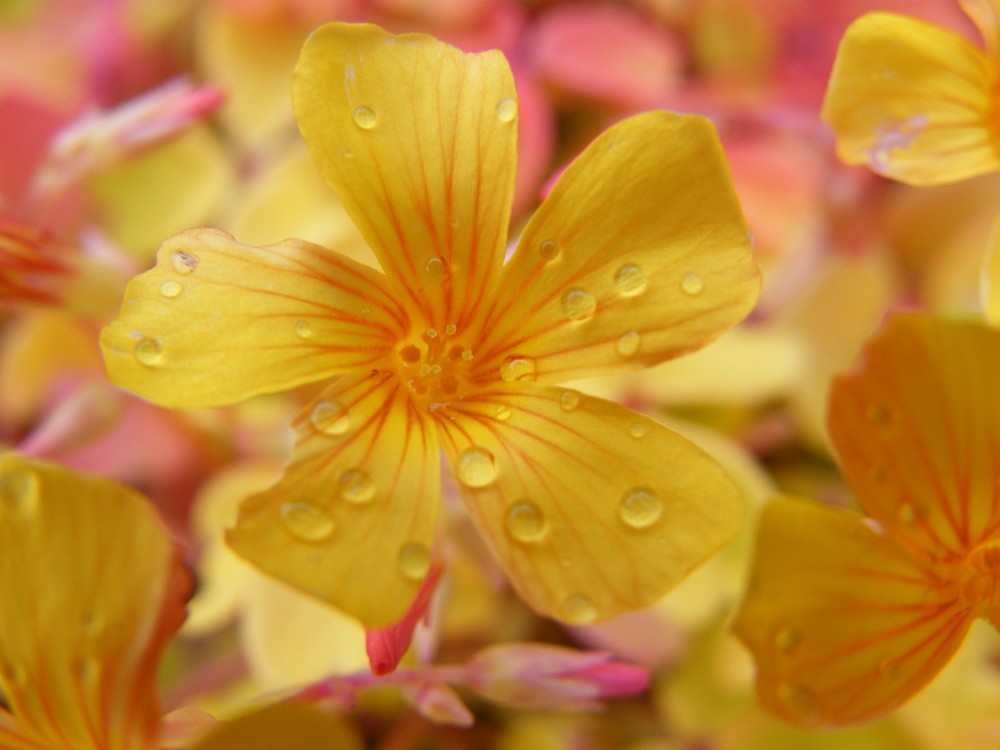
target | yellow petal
[
  {"x": 990, "y": 286},
  {"x": 843, "y": 624},
  {"x": 639, "y": 254},
  {"x": 216, "y": 322},
  {"x": 917, "y": 429},
  {"x": 90, "y": 591},
  {"x": 419, "y": 140},
  {"x": 912, "y": 100},
  {"x": 281, "y": 726},
  {"x": 352, "y": 520},
  {"x": 592, "y": 509}
]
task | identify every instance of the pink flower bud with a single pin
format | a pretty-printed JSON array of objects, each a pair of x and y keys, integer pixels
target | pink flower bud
[
  {"x": 386, "y": 646},
  {"x": 439, "y": 703}
]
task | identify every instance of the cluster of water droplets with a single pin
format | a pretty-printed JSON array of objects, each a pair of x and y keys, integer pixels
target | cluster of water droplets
[
  {"x": 366, "y": 118},
  {"x": 148, "y": 351}
]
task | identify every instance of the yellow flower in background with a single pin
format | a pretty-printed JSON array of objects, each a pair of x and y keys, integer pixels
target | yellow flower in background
[
  {"x": 916, "y": 102},
  {"x": 91, "y": 590},
  {"x": 849, "y": 617},
  {"x": 639, "y": 254}
]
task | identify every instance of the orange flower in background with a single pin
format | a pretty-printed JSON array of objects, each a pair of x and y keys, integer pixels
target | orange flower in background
[
  {"x": 916, "y": 102},
  {"x": 849, "y": 617},
  {"x": 639, "y": 254}
]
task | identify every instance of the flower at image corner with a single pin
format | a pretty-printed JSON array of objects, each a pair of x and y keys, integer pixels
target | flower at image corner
[
  {"x": 639, "y": 254},
  {"x": 916, "y": 102}
]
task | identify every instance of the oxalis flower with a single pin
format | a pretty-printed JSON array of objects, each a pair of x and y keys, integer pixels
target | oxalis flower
[{"x": 639, "y": 254}]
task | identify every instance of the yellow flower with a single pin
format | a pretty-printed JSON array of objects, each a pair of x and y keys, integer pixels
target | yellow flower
[
  {"x": 849, "y": 617},
  {"x": 639, "y": 254},
  {"x": 916, "y": 102},
  {"x": 91, "y": 590}
]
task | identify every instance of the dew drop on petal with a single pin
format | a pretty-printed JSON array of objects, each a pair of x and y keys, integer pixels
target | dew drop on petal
[
  {"x": 569, "y": 400},
  {"x": 640, "y": 508},
  {"x": 356, "y": 486},
  {"x": 637, "y": 430},
  {"x": 549, "y": 250},
  {"x": 630, "y": 280},
  {"x": 414, "y": 561},
  {"x": 578, "y": 610},
  {"x": 578, "y": 304},
  {"x": 517, "y": 368},
  {"x": 365, "y": 118},
  {"x": 171, "y": 289},
  {"x": 434, "y": 268},
  {"x": 799, "y": 702},
  {"x": 907, "y": 513},
  {"x": 19, "y": 492},
  {"x": 348, "y": 153},
  {"x": 330, "y": 417},
  {"x": 692, "y": 284},
  {"x": 183, "y": 263},
  {"x": 506, "y": 110},
  {"x": 889, "y": 668},
  {"x": 786, "y": 639},
  {"x": 628, "y": 344},
  {"x": 502, "y": 412},
  {"x": 307, "y": 521},
  {"x": 879, "y": 415},
  {"x": 526, "y": 522},
  {"x": 303, "y": 330},
  {"x": 149, "y": 352},
  {"x": 475, "y": 467}
]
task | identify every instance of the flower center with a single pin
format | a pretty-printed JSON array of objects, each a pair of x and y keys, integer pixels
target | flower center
[{"x": 435, "y": 366}]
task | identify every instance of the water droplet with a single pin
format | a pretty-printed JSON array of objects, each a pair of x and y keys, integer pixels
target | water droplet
[
  {"x": 888, "y": 668},
  {"x": 348, "y": 154},
  {"x": 308, "y": 521},
  {"x": 692, "y": 284},
  {"x": 786, "y": 639},
  {"x": 907, "y": 513},
  {"x": 502, "y": 412},
  {"x": 414, "y": 561},
  {"x": 330, "y": 417},
  {"x": 879, "y": 415},
  {"x": 88, "y": 670},
  {"x": 149, "y": 352},
  {"x": 578, "y": 610},
  {"x": 799, "y": 702},
  {"x": 356, "y": 486},
  {"x": 517, "y": 368},
  {"x": 577, "y": 304},
  {"x": 640, "y": 508},
  {"x": 526, "y": 522},
  {"x": 365, "y": 118},
  {"x": 628, "y": 344},
  {"x": 630, "y": 280},
  {"x": 303, "y": 330},
  {"x": 637, "y": 430},
  {"x": 183, "y": 263},
  {"x": 506, "y": 110},
  {"x": 451, "y": 329},
  {"x": 171, "y": 289},
  {"x": 475, "y": 467},
  {"x": 19, "y": 491},
  {"x": 549, "y": 251},
  {"x": 569, "y": 400},
  {"x": 434, "y": 268}
]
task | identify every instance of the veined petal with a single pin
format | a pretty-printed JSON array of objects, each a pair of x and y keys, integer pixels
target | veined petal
[
  {"x": 592, "y": 509},
  {"x": 917, "y": 429},
  {"x": 844, "y": 625},
  {"x": 352, "y": 519},
  {"x": 639, "y": 254},
  {"x": 91, "y": 591},
  {"x": 913, "y": 101},
  {"x": 419, "y": 140},
  {"x": 216, "y": 322}
]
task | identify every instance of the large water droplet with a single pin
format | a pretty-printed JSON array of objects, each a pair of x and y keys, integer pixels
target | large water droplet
[
  {"x": 475, "y": 467},
  {"x": 526, "y": 522},
  {"x": 640, "y": 508},
  {"x": 578, "y": 610},
  {"x": 356, "y": 486},
  {"x": 149, "y": 352},
  {"x": 303, "y": 330},
  {"x": 506, "y": 110},
  {"x": 786, "y": 639},
  {"x": 365, "y": 118},
  {"x": 330, "y": 417},
  {"x": 414, "y": 561},
  {"x": 434, "y": 268},
  {"x": 628, "y": 344},
  {"x": 19, "y": 492},
  {"x": 692, "y": 284},
  {"x": 183, "y": 263},
  {"x": 549, "y": 250},
  {"x": 517, "y": 368},
  {"x": 307, "y": 521},
  {"x": 637, "y": 430},
  {"x": 578, "y": 304},
  {"x": 907, "y": 513},
  {"x": 502, "y": 412},
  {"x": 171, "y": 289},
  {"x": 799, "y": 702},
  {"x": 569, "y": 400},
  {"x": 630, "y": 280}
]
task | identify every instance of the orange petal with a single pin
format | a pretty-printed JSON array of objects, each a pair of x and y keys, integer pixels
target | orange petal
[
  {"x": 913, "y": 101},
  {"x": 419, "y": 140},
  {"x": 639, "y": 254},
  {"x": 986, "y": 15},
  {"x": 216, "y": 322},
  {"x": 91, "y": 589},
  {"x": 352, "y": 520},
  {"x": 843, "y": 624},
  {"x": 592, "y": 509},
  {"x": 917, "y": 429}
]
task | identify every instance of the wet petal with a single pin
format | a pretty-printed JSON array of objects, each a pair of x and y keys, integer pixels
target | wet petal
[
  {"x": 91, "y": 591},
  {"x": 419, "y": 140},
  {"x": 639, "y": 254},
  {"x": 592, "y": 509},
  {"x": 912, "y": 101},
  {"x": 352, "y": 520},
  {"x": 216, "y": 322},
  {"x": 843, "y": 624},
  {"x": 917, "y": 429}
]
